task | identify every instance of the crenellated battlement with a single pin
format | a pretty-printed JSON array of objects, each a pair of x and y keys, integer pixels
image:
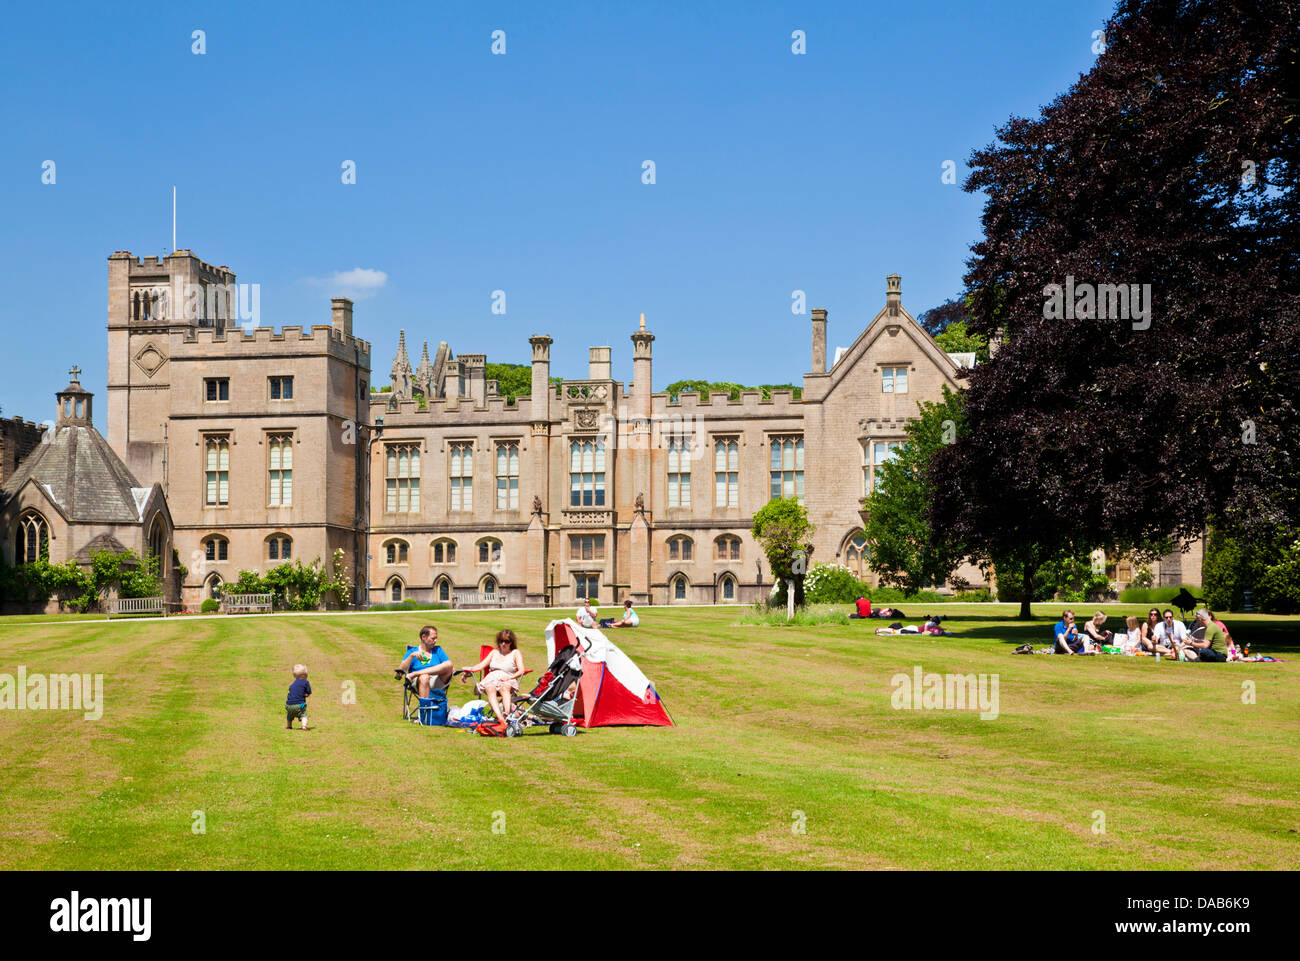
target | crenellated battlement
[
  {"x": 18, "y": 422},
  {"x": 236, "y": 340},
  {"x": 165, "y": 264},
  {"x": 780, "y": 401}
]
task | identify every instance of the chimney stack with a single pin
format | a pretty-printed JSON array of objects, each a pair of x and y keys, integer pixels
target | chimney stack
[
  {"x": 598, "y": 368},
  {"x": 541, "y": 388},
  {"x": 893, "y": 294},
  {"x": 341, "y": 315},
  {"x": 641, "y": 359},
  {"x": 819, "y": 340}
]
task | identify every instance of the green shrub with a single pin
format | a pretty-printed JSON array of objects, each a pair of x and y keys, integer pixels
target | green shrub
[
  {"x": 1157, "y": 595},
  {"x": 1234, "y": 565},
  {"x": 296, "y": 586},
  {"x": 832, "y": 584},
  {"x": 209, "y": 606},
  {"x": 1278, "y": 590},
  {"x": 977, "y": 596},
  {"x": 78, "y": 589}
]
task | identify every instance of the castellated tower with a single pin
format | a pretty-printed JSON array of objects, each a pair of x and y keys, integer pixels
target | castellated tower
[
  {"x": 258, "y": 436},
  {"x": 150, "y": 299}
]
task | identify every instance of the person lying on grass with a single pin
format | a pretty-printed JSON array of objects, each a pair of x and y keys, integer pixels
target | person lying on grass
[
  {"x": 1170, "y": 635},
  {"x": 504, "y": 666},
  {"x": 428, "y": 666},
  {"x": 1068, "y": 638}
]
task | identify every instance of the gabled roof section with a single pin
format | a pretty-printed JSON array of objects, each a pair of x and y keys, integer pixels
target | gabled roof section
[
  {"x": 82, "y": 475},
  {"x": 892, "y": 315},
  {"x": 43, "y": 490},
  {"x": 104, "y": 542}
]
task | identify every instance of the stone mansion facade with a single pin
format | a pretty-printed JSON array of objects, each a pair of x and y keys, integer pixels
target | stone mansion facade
[
  {"x": 273, "y": 445},
  {"x": 614, "y": 491},
  {"x": 268, "y": 446}
]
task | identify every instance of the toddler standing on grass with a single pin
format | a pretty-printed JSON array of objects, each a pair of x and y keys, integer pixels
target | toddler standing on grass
[{"x": 295, "y": 704}]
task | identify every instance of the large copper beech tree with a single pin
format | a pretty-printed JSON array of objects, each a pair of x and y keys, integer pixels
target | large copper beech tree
[{"x": 1165, "y": 177}]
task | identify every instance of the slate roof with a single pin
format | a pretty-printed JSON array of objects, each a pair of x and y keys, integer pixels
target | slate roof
[
  {"x": 104, "y": 542},
  {"x": 83, "y": 476}
]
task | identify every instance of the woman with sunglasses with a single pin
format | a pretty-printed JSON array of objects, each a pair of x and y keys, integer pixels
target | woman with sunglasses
[{"x": 1148, "y": 638}]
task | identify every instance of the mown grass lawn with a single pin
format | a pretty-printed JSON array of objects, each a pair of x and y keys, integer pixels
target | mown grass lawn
[{"x": 777, "y": 728}]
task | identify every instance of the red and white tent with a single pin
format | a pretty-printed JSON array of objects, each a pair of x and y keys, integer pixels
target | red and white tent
[{"x": 612, "y": 690}]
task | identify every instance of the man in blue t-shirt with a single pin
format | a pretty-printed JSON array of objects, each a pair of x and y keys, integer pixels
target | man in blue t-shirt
[
  {"x": 428, "y": 666},
  {"x": 1066, "y": 635}
]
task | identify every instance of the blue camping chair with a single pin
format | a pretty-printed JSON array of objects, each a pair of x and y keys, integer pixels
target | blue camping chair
[{"x": 431, "y": 710}]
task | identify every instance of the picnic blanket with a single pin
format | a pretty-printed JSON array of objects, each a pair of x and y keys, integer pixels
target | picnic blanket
[{"x": 1253, "y": 659}]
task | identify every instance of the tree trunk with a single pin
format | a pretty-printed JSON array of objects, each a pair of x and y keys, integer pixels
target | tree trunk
[{"x": 1027, "y": 593}]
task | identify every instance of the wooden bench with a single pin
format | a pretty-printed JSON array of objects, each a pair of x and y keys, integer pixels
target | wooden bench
[
  {"x": 246, "y": 603},
  {"x": 136, "y": 605}
]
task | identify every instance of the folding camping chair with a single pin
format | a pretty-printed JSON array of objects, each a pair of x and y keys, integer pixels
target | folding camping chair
[
  {"x": 421, "y": 710},
  {"x": 483, "y": 653}
]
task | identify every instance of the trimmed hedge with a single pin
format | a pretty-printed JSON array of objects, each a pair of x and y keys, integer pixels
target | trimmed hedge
[
  {"x": 410, "y": 605},
  {"x": 1156, "y": 595}
]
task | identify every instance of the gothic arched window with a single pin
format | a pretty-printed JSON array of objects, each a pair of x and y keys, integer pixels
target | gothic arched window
[
  {"x": 158, "y": 540},
  {"x": 857, "y": 555},
  {"x": 33, "y": 539}
]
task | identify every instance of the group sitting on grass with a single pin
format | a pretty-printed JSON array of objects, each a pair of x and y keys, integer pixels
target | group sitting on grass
[
  {"x": 1160, "y": 635},
  {"x": 588, "y": 616}
]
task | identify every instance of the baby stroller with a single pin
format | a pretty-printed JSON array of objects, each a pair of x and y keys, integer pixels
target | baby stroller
[
  {"x": 546, "y": 703},
  {"x": 431, "y": 710}
]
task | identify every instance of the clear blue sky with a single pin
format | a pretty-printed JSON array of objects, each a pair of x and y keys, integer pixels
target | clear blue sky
[{"x": 520, "y": 172}]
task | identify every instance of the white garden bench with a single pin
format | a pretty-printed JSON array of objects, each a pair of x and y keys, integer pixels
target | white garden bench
[
  {"x": 477, "y": 599},
  {"x": 246, "y": 603},
  {"x": 136, "y": 605}
]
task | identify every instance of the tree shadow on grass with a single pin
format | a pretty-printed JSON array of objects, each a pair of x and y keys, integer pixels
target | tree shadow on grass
[{"x": 1037, "y": 632}]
